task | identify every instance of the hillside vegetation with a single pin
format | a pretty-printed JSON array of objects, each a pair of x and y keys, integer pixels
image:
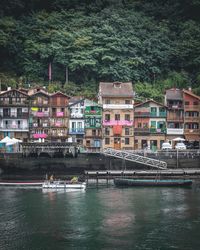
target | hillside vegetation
[{"x": 155, "y": 44}]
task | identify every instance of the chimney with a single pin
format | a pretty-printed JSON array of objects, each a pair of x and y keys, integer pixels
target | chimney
[
  {"x": 8, "y": 88},
  {"x": 190, "y": 89}
]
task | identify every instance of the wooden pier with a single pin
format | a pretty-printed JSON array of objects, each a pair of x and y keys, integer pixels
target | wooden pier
[
  {"x": 50, "y": 148},
  {"x": 108, "y": 175}
]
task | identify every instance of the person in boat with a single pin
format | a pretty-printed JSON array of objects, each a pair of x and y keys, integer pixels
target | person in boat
[
  {"x": 51, "y": 179},
  {"x": 74, "y": 179}
]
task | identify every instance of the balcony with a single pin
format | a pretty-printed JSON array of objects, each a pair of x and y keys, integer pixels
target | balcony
[
  {"x": 113, "y": 123},
  {"x": 14, "y": 128},
  {"x": 175, "y": 118},
  {"x": 40, "y": 114},
  {"x": 157, "y": 130},
  {"x": 59, "y": 114},
  {"x": 76, "y": 115},
  {"x": 117, "y": 106},
  {"x": 141, "y": 114},
  {"x": 40, "y": 136},
  {"x": 192, "y": 119},
  {"x": 76, "y": 131},
  {"x": 14, "y": 116},
  {"x": 192, "y": 131},
  {"x": 175, "y": 106},
  {"x": 39, "y": 125},
  {"x": 142, "y": 130},
  {"x": 192, "y": 107},
  {"x": 58, "y": 124},
  {"x": 175, "y": 131},
  {"x": 160, "y": 114}
]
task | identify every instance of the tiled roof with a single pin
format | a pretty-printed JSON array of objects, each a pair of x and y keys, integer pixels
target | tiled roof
[
  {"x": 190, "y": 93},
  {"x": 174, "y": 94},
  {"x": 116, "y": 89}
]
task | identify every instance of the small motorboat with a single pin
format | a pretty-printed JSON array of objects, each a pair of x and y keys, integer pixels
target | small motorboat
[
  {"x": 63, "y": 185},
  {"x": 152, "y": 182}
]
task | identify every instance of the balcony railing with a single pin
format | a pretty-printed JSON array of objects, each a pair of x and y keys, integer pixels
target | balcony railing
[
  {"x": 76, "y": 131},
  {"x": 192, "y": 107},
  {"x": 142, "y": 114},
  {"x": 158, "y": 130},
  {"x": 175, "y": 106},
  {"x": 150, "y": 130},
  {"x": 160, "y": 114},
  {"x": 118, "y": 106},
  {"x": 121, "y": 122},
  {"x": 142, "y": 130},
  {"x": 14, "y": 128},
  {"x": 175, "y": 131},
  {"x": 192, "y": 119},
  {"x": 192, "y": 131},
  {"x": 40, "y": 114},
  {"x": 15, "y": 116}
]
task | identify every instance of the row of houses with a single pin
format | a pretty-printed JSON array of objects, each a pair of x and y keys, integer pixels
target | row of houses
[{"x": 115, "y": 120}]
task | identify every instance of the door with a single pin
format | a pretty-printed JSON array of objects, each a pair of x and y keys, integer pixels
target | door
[{"x": 117, "y": 143}]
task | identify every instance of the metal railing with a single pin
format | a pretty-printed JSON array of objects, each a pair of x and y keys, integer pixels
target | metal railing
[{"x": 135, "y": 158}]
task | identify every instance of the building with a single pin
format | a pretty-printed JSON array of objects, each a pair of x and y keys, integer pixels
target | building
[
  {"x": 149, "y": 125},
  {"x": 76, "y": 121},
  {"x": 14, "y": 114},
  {"x": 175, "y": 114},
  {"x": 93, "y": 131},
  {"x": 191, "y": 116},
  {"x": 39, "y": 120},
  {"x": 116, "y": 99},
  {"x": 59, "y": 117}
]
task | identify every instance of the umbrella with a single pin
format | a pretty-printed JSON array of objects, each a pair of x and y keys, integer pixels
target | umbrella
[
  {"x": 16, "y": 140},
  {"x": 179, "y": 139},
  {"x": 6, "y": 140}
]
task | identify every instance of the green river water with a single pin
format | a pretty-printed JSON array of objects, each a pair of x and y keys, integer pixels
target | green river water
[{"x": 103, "y": 218}]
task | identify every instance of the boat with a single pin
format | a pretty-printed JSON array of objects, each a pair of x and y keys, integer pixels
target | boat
[
  {"x": 63, "y": 185},
  {"x": 152, "y": 182},
  {"x": 21, "y": 184}
]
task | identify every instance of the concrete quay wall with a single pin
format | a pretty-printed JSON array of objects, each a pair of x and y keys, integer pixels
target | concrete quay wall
[{"x": 14, "y": 163}]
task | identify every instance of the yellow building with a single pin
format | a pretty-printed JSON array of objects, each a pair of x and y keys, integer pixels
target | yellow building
[{"x": 116, "y": 99}]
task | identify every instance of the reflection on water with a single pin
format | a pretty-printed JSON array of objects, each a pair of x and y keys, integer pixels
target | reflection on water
[{"x": 107, "y": 218}]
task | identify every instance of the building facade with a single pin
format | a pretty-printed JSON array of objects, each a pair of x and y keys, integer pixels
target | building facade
[
  {"x": 59, "y": 117},
  {"x": 14, "y": 114},
  {"x": 175, "y": 114},
  {"x": 191, "y": 116},
  {"x": 149, "y": 125},
  {"x": 116, "y": 99},
  {"x": 93, "y": 130},
  {"x": 77, "y": 122},
  {"x": 39, "y": 120}
]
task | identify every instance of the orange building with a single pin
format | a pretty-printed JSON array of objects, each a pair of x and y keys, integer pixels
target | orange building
[
  {"x": 116, "y": 99},
  {"x": 191, "y": 116}
]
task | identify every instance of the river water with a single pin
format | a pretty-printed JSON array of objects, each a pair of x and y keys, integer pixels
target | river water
[{"x": 103, "y": 218}]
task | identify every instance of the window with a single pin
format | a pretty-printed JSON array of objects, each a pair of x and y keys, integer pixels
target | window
[
  {"x": 87, "y": 143},
  {"x": 107, "y": 131},
  {"x": 195, "y": 103},
  {"x": 107, "y": 117},
  {"x": 139, "y": 124},
  {"x": 127, "y": 131},
  {"x": 145, "y": 125},
  {"x": 117, "y": 117},
  {"x": 187, "y": 103},
  {"x": 127, "y": 117},
  {"x": 127, "y": 142},
  {"x": 93, "y": 132},
  {"x": 127, "y": 101},
  {"x": 153, "y": 124},
  {"x": 107, "y": 101},
  {"x": 107, "y": 140}
]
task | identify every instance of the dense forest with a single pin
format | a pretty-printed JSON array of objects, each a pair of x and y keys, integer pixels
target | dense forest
[{"x": 155, "y": 44}]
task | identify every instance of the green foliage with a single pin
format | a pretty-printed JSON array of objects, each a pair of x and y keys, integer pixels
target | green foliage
[{"x": 154, "y": 44}]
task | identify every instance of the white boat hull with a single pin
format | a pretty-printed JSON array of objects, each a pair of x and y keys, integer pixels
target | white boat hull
[{"x": 63, "y": 185}]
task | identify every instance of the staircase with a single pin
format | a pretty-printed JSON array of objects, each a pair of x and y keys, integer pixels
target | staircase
[{"x": 126, "y": 155}]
